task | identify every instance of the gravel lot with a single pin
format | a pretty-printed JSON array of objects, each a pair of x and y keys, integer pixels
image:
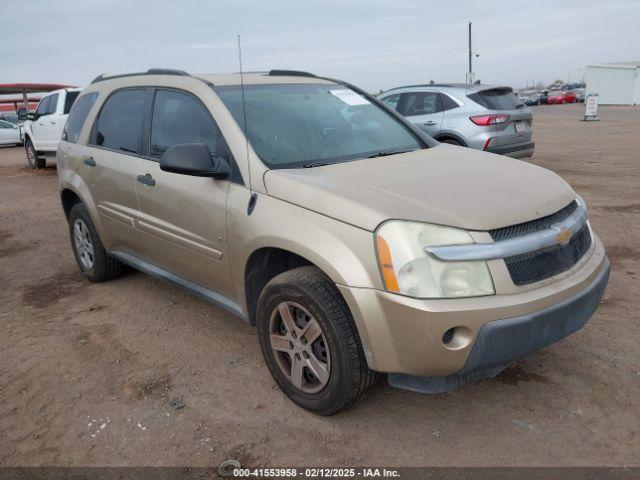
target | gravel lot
[{"x": 88, "y": 372}]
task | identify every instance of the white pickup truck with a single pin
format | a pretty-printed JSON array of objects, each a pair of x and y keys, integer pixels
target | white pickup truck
[{"x": 43, "y": 130}]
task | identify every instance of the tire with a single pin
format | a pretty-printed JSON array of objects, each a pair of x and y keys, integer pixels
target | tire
[
  {"x": 451, "y": 141},
  {"x": 309, "y": 295},
  {"x": 97, "y": 266},
  {"x": 32, "y": 155}
]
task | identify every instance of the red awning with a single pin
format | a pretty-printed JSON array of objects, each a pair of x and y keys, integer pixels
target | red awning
[
  {"x": 18, "y": 100},
  {"x": 12, "y": 108},
  {"x": 8, "y": 88}
]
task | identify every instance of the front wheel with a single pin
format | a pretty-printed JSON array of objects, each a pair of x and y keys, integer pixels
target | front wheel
[
  {"x": 310, "y": 343},
  {"x": 32, "y": 155}
]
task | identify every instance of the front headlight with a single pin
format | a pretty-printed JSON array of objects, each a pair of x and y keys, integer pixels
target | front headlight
[{"x": 409, "y": 270}]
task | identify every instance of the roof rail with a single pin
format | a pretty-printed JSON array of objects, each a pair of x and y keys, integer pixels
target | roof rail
[
  {"x": 290, "y": 73},
  {"x": 151, "y": 71}
]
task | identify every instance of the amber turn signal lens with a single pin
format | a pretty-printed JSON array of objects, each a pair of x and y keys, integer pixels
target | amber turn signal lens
[{"x": 386, "y": 265}]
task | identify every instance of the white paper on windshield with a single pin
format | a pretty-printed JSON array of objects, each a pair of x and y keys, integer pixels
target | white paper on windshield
[{"x": 349, "y": 97}]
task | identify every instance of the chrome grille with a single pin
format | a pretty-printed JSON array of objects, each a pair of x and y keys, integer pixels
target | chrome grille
[
  {"x": 526, "y": 228},
  {"x": 535, "y": 266}
]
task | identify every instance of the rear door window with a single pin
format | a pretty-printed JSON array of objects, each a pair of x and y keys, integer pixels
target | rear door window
[
  {"x": 68, "y": 101},
  {"x": 77, "y": 116},
  {"x": 419, "y": 103},
  {"x": 53, "y": 104},
  {"x": 119, "y": 124},
  {"x": 496, "y": 99}
]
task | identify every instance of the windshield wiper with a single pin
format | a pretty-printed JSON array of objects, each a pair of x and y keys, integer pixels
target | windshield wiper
[
  {"x": 315, "y": 164},
  {"x": 386, "y": 154}
]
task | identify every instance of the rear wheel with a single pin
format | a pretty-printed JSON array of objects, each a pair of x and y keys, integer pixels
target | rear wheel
[
  {"x": 451, "y": 141},
  {"x": 92, "y": 258},
  {"x": 310, "y": 343}
]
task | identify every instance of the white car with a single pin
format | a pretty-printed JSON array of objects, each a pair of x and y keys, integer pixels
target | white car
[
  {"x": 9, "y": 133},
  {"x": 43, "y": 130}
]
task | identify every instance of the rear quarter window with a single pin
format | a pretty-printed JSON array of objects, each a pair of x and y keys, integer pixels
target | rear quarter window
[
  {"x": 496, "y": 99},
  {"x": 77, "y": 116},
  {"x": 447, "y": 103}
]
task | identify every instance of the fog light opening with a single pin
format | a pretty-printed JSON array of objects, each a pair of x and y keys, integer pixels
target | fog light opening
[
  {"x": 457, "y": 338},
  {"x": 448, "y": 336}
]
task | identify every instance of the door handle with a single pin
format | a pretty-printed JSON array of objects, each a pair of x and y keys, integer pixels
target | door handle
[
  {"x": 430, "y": 123},
  {"x": 52, "y": 123},
  {"x": 147, "y": 180},
  {"x": 41, "y": 124},
  {"x": 90, "y": 162}
]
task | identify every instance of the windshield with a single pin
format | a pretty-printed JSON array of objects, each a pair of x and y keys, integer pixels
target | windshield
[{"x": 294, "y": 125}]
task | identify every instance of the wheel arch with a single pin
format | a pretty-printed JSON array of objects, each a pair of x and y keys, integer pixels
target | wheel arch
[
  {"x": 69, "y": 198},
  {"x": 73, "y": 190},
  {"x": 450, "y": 135},
  {"x": 264, "y": 264}
]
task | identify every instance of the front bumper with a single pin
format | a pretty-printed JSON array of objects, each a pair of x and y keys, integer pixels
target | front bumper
[
  {"x": 503, "y": 341},
  {"x": 405, "y": 335}
]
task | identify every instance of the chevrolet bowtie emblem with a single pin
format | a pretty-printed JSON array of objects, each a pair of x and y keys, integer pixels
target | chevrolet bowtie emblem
[{"x": 564, "y": 236}]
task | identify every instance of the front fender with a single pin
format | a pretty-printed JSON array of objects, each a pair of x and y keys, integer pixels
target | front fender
[{"x": 345, "y": 253}]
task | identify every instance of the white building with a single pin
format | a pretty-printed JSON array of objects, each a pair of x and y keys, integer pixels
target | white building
[{"x": 615, "y": 83}]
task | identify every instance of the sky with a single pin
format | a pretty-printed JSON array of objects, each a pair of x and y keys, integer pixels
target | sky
[{"x": 375, "y": 44}]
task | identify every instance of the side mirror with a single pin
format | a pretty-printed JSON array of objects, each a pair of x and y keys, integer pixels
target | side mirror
[
  {"x": 22, "y": 113},
  {"x": 193, "y": 159}
]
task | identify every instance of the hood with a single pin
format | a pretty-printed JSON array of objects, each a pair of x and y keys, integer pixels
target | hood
[{"x": 446, "y": 185}]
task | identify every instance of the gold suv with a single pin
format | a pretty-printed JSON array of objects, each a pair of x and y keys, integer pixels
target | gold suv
[{"x": 354, "y": 242}]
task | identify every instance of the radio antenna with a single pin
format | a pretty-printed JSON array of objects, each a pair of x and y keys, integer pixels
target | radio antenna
[{"x": 253, "y": 197}]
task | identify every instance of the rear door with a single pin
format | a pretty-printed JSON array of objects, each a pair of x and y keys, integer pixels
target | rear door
[
  {"x": 183, "y": 217},
  {"x": 424, "y": 109},
  {"x": 111, "y": 160},
  {"x": 519, "y": 127}
]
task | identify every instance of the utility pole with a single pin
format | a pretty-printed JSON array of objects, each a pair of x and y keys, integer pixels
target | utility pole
[
  {"x": 470, "y": 57},
  {"x": 470, "y": 75}
]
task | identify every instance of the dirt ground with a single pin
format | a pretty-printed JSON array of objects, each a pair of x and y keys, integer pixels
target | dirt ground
[{"x": 88, "y": 373}]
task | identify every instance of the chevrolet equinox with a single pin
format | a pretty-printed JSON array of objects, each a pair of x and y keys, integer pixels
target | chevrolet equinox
[{"x": 353, "y": 241}]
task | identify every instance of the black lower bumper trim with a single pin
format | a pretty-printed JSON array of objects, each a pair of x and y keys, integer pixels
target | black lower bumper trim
[
  {"x": 501, "y": 342},
  {"x": 502, "y": 150}
]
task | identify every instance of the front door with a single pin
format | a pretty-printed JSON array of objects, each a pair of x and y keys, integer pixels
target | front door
[
  {"x": 183, "y": 218},
  {"x": 423, "y": 109},
  {"x": 38, "y": 126}
]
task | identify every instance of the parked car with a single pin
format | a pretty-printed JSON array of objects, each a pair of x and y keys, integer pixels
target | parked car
[
  {"x": 43, "y": 128},
  {"x": 579, "y": 92},
  {"x": 539, "y": 98},
  {"x": 477, "y": 116},
  {"x": 562, "y": 97},
  {"x": 353, "y": 241},
  {"x": 9, "y": 133}
]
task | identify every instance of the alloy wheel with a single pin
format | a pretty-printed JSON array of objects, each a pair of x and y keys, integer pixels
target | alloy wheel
[
  {"x": 300, "y": 347},
  {"x": 84, "y": 245}
]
